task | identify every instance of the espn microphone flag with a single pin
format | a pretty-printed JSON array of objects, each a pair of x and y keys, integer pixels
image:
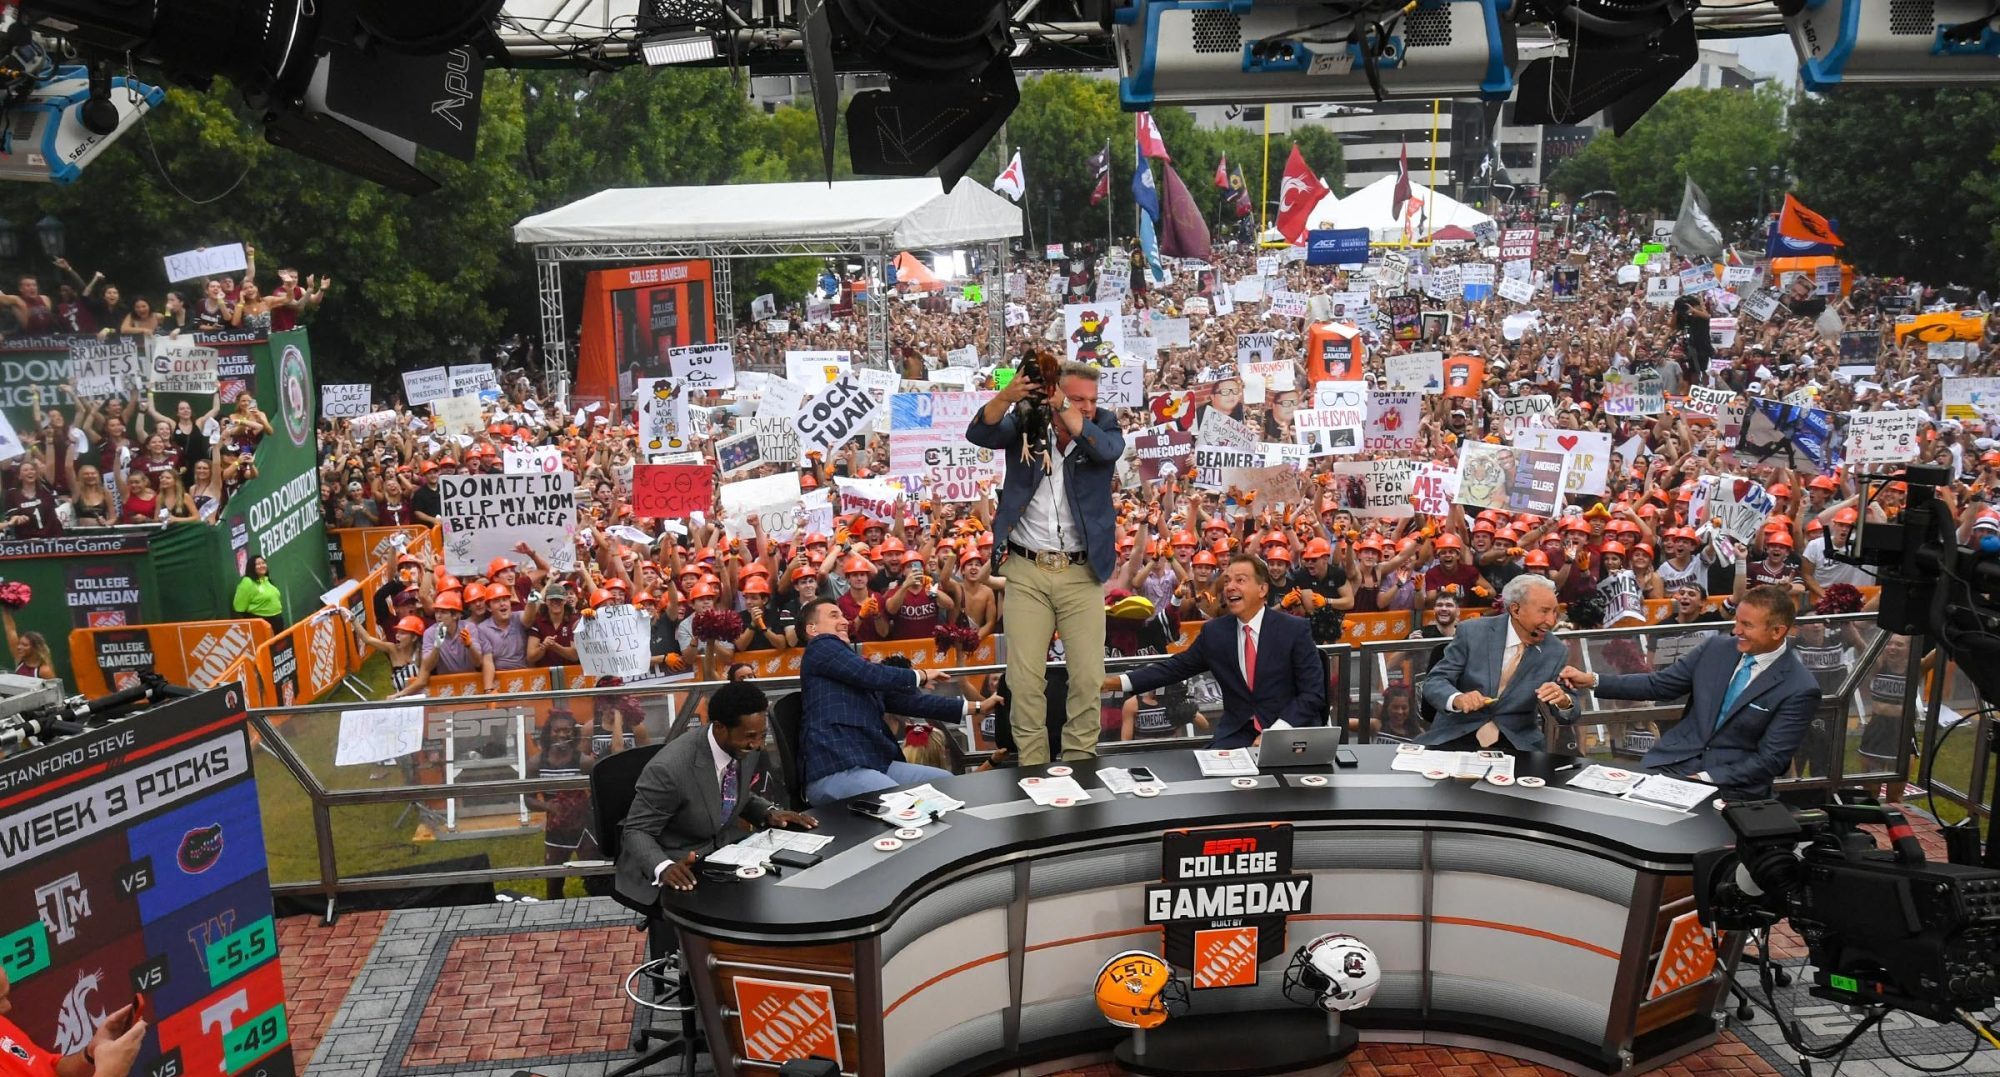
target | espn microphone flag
[
  {"x": 1300, "y": 191},
  {"x": 1010, "y": 182},
  {"x": 1798, "y": 222},
  {"x": 1100, "y": 167},
  {"x": 1150, "y": 143},
  {"x": 1222, "y": 172},
  {"x": 1694, "y": 233},
  {"x": 1183, "y": 232},
  {"x": 1143, "y": 191},
  {"x": 1402, "y": 192}
]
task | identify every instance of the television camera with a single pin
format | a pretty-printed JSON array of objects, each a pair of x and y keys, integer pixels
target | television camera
[
  {"x": 1885, "y": 929},
  {"x": 34, "y": 712}
]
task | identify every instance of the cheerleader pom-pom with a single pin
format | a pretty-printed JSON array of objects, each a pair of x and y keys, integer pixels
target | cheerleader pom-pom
[{"x": 14, "y": 594}]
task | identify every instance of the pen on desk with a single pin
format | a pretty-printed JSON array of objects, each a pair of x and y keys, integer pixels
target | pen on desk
[{"x": 1567, "y": 766}]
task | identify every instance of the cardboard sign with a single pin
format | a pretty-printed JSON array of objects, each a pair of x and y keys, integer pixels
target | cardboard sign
[
  {"x": 927, "y": 442},
  {"x": 1121, "y": 387},
  {"x": 1375, "y": 489},
  {"x": 1588, "y": 453},
  {"x": 1160, "y": 452},
  {"x": 535, "y": 460},
  {"x": 1517, "y": 243},
  {"x": 474, "y": 379},
  {"x": 1502, "y": 477},
  {"x": 777, "y": 440},
  {"x": 1260, "y": 380},
  {"x": 1256, "y": 348},
  {"x": 1738, "y": 506},
  {"x": 835, "y": 415},
  {"x": 773, "y": 499},
  {"x": 1634, "y": 393},
  {"x": 10, "y": 441},
  {"x": 1171, "y": 333},
  {"x": 1516, "y": 291},
  {"x": 1971, "y": 399},
  {"x": 1420, "y": 372},
  {"x": 487, "y": 516},
  {"x": 1094, "y": 332},
  {"x": 664, "y": 422},
  {"x": 1214, "y": 466},
  {"x": 105, "y": 368},
  {"x": 420, "y": 387},
  {"x": 219, "y": 260},
  {"x": 1706, "y": 403},
  {"x": 1883, "y": 437},
  {"x": 179, "y": 365},
  {"x": 815, "y": 368},
  {"x": 615, "y": 642},
  {"x": 1433, "y": 489},
  {"x": 345, "y": 401},
  {"x": 458, "y": 415},
  {"x": 738, "y": 454},
  {"x": 672, "y": 491},
  {"x": 1218, "y": 430},
  {"x": 1395, "y": 422},
  {"x": 703, "y": 366}
]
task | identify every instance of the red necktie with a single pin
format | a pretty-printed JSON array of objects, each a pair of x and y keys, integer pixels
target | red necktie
[{"x": 1249, "y": 659}]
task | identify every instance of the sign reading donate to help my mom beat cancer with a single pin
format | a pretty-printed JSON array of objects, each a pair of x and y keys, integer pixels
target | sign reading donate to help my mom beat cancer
[
  {"x": 487, "y": 516},
  {"x": 145, "y": 874}
]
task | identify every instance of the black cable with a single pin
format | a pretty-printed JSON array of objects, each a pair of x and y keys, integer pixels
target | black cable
[
  {"x": 1765, "y": 976},
  {"x": 1977, "y": 1041}
]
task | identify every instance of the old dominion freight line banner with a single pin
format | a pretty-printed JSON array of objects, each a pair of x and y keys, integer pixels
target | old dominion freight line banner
[
  {"x": 134, "y": 864},
  {"x": 181, "y": 572}
]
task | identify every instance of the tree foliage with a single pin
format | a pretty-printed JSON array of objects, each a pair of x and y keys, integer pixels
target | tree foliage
[
  {"x": 1912, "y": 176},
  {"x": 1713, "y": 136}
]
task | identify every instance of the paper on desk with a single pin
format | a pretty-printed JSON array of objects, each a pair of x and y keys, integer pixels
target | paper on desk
[
  {"x": 1668, "y": 792},
  {"x": 925, "y": 799},
  {"x": 1616, "y": 781},
  {"x": 1225, "y": 762},
  {"x": 742, "y": 854},
  {"x": 773, "y": 840},
  {"x": 1120, "y": 781},
  {"x": 1044, "y": 790}
]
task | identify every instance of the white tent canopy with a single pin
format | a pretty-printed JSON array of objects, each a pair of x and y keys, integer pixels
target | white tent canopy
[
  {"x": 907, "y": 213},
  {"x": 1369, "y": 208}
]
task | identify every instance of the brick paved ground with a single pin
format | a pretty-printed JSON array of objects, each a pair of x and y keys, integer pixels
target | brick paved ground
[{"x": 487, "y": 991}]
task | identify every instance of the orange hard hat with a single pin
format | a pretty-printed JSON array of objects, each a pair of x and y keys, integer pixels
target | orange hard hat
[
  {"x": 1614, "y": 547},
  {"x": 1319, "y": 547},
  {"x": 411, "y": 624},
  {"x": 1846, "y": 515},
  {"x": 645, "y": 598},
  {"x": 449, "y": 582},
  {"x": 704, "y": 589},
  {"x": 1275, "y": 538},
  {"x": 1204, "y": 557},
  {"x": 497, "y": 566},
  {"x": 815, "y": 539},
  {"x": 599, "y": 597},
  {"x": 1451, "y": 542},
  {"x": 475, "y": 592},
  {"x": 1780, "y": 491},
  {"x": 1183, "y": 538},
  {"x": 755, "y": 569},
  {"x": 855, "y": 564},
  {"x": 756, "y": 585},
  {"x": 1778, "y": 538},
  {"x": 1535, "y": 559},
  {"x": 1279, "y": 553},
  {"x": 448, "y": 601}
]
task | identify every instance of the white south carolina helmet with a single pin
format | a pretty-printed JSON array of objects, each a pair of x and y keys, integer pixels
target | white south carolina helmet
[{"x": 1333, "y": 972}]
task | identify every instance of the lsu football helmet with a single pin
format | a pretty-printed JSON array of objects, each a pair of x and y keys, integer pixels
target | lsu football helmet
[
  {"x": 1136, "y": 989},
  {"x": 1334, "y": 972}
]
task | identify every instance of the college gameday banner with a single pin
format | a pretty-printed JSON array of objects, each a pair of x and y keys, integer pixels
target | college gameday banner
[
  {"x": 134, "y": 860},
  {"x": 197, "y": 654}
]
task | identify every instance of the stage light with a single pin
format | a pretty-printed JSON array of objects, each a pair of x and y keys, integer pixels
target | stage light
[
  {"x": 668, "y": 49},
  {"x": 1624, "y": 55}
]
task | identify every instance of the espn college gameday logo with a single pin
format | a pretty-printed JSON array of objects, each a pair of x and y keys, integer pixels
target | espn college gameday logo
[{"x": 1223, "y": 898}]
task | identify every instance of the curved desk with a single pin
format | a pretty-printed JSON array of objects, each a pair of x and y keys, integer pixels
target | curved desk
[{"x": 1528, "y": 921}]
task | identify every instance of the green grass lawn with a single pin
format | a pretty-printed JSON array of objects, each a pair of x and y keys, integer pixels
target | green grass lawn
[{"x": 367, "y": 838}]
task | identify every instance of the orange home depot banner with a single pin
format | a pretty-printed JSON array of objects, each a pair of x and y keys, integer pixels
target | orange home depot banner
[
  {"x": 921, "y": 652},
  {"x": 304, "y": 662},
  {"x": 365, "y": 549},
  {"x": 509, "y": 681},
  {"x": 1375, "y": 627},
  {"x": 193, "y": 654}
]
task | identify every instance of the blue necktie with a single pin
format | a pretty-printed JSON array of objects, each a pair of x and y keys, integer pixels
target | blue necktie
[
  {"x": 728, "y": 790},
  {"x": 1736, "y": 686}
]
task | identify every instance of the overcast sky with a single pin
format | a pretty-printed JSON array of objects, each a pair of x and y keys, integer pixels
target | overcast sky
[{"x": 1771, "y": 56}]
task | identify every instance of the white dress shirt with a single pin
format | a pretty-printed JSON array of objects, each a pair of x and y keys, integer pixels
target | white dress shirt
[
  {"x": 1506, "y": 656},
  {"x": 1256, "y": 624},
  {"x": 1047, "y": 523}
]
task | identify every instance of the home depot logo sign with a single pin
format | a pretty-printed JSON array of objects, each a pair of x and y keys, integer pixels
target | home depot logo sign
[
  {"x": 1226, "y": 957},
  {"x": 783, "y": 1020},
  {"x": 1687, "y": 957},
  {"x": 212, "y": 650}
]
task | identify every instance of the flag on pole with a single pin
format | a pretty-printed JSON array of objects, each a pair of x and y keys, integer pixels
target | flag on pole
[
  {"x": 1694, "y": 233},
  {"x": 1143, "y": 191},
  {"x": 1222, "y": 172},
  {"x": 1184, "y": 234},
  {"x": 1300, "y": 191},
  {"x": 1150, "y": 143},
  {"x": 1240, "y": 192},
  {"x": 1795, "y": 221},
  {"x": 1100, "y": 167},
  {"x": 1010, "y": 181},
  {"x": 1402, "y": 193},
  {"x": 1149, "y": 245}
]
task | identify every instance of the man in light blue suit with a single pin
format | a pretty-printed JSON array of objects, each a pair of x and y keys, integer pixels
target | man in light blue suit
[
  {"x": 1498, "y": 673},
  {"x": 1750, "y": 700}
]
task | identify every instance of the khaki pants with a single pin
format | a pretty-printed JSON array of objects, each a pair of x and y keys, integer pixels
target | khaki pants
[{"x": 1040, "y": 603}]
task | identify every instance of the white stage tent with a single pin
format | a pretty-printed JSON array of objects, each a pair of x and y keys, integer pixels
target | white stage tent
[
  {"x": 871, "y": 220},
  {"x": 1369, "y": 208}
]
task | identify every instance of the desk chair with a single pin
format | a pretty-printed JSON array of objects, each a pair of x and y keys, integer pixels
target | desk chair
[
  {"x": 613, "y": 782},
  {"x": 787, "y": 726}
]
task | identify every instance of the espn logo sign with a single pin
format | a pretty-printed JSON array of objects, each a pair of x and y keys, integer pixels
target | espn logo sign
[
  {"x": 1225, "y": 846},
  {"x": 1225, "y": 957}
]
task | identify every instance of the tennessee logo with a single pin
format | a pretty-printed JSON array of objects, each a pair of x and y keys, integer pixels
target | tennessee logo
[
  {"x": 1798, "y": 222},
  {"x": 200, "y": 849},
  {"x": 1225, "y": 957}
]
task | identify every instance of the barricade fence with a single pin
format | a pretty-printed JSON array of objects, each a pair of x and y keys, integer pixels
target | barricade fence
[{"x": 410, "y": 782}]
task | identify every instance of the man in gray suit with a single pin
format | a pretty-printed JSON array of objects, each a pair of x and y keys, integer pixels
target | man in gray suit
[
  {"x": 696, "y": 796},
  {"x": 1749, "y": 700},
  {"x": 1498, "y": 673}
]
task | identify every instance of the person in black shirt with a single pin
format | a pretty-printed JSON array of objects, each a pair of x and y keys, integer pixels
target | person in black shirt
[
  {"x": 426, "y": 501},
  {"x": 1691, "y": 319}
]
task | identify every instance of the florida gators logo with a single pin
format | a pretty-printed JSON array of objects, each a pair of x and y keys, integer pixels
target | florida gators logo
[{"x": 200, "y": 849}]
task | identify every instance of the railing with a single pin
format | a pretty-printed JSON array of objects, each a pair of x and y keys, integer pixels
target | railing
[{"x": 1373, "y": 695}]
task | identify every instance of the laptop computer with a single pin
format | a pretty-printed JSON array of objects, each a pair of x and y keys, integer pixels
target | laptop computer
[{"x": 1305, "y": 746}]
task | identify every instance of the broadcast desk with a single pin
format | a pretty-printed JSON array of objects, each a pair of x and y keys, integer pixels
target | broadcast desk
[{"x": 1529, "y": 921}]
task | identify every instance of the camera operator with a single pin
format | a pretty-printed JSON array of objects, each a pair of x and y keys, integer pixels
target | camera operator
[{"x": 1054, "y": 540}]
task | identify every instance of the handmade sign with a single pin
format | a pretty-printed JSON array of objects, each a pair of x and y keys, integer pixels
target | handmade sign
[
  {"x": 672, "y": 491},
  {"x": 703, "y": 366},
  {"x": 927, "y": 443},
  {"x": 345, "y": 401},
  {"x": 488, "y": 516},
  {"x": 1588, "y": 454},
  {"x": 1883, "y": 437},
  {"x": 834, "y": 415},
  {"x": 1421, "y": 372}
]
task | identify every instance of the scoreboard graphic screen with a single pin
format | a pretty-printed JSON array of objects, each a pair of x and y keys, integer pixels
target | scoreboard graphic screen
[{"x": 132, "y": 862}]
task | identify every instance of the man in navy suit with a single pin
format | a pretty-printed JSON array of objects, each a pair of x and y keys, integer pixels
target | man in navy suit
[
  {"x": 1054, "y": 540},
  {"x": 1750, "y": 700},
  {"x": 1263, "y": 660}
]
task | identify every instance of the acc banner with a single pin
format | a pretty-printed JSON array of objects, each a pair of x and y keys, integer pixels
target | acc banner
[
  {"x": 486, "y": 516},
  {"x": 1337, "y": 247},
  {"x": 145, "y": 873}
]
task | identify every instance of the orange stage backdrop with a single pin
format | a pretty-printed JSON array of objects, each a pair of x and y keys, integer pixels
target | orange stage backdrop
[{"x": 632, "y": 316}]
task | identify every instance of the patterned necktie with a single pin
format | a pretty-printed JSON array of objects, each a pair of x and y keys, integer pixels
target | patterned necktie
[
  {"x": 729, "y": 790},
  {"x": 1736, "y": 686},
  {"x": 1249, "y": 659},
  {"x": 1508, "y": 667}
]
